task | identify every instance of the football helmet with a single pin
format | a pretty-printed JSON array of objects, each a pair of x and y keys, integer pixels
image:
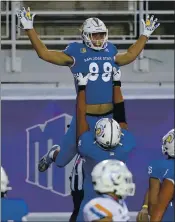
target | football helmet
[
  {"x": 107, "y": 133},
  {"x": 93, "y": 26},
  {"x": 113, "y": 176}
]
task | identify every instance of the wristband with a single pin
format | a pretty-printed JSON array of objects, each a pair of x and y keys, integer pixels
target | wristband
[
  {"x": 145, "y": 206},
  {"x": 80, "y": 88}
]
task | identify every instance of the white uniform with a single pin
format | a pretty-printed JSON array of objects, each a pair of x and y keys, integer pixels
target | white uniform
[{"x": 101, "y": 207}]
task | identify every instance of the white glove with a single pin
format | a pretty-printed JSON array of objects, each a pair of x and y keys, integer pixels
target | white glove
[
  {"x": 82, "y": 80},
  {"x": 116, "y": 74},
  {"x": 150, "y": 25},
  {"x": 26, "y": 18}
]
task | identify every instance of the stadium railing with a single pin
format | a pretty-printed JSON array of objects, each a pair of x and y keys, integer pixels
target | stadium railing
[{"x": 134, "y": 10}]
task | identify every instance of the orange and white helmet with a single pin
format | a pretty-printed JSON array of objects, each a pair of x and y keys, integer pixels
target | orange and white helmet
[{"x": 113, "y": 176}]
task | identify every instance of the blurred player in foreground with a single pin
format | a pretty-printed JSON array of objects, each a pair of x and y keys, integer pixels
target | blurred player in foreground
[
  {"x": 113, "y": 182},
  {"x": 97, "y": 56},
  {"x": 11, "y": 209},
  {"x": 158, "y": 170}
]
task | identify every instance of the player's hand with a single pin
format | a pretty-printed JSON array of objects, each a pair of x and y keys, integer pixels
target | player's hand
[
  {"x": 143, "y": 216},
  {"x": 150, "y": 25},
  {"x": 81, "y": 79},
  {"x": 116, "y": 74},
  {"x": 26, "y": 18}
]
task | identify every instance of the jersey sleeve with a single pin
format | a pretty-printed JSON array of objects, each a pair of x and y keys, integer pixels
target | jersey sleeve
[
  {"x": 115, "y": 50},
  {"x": 85, "y": 141},
  {"x": 72, "y": 50},
  {"x": 96, "y": 211},
  {"x": 169, "y": 175},
  {"x": 154, "y": 171}
]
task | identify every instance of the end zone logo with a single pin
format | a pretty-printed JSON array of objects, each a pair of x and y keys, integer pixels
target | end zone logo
[{"x": 40, "y": 138}]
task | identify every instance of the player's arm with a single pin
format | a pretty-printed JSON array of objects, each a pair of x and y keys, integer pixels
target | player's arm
[
  {"x": 154, "y": 187},
  {"x": 82, "y": 125},
  {"x": 166, "y": 194},
  {"x": 145, "y": 202},
  {"x": 55, "y": 57},
  {"x": 119, "y": 106},
  {"x": 143, "y": 214},
  {"x": 134, "y": 50},
  {"x": 52, "y": 56}
]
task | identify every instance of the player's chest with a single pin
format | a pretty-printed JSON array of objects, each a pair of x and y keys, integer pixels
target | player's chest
[
  {"x": 99, "y": 64},
  {"x": 96, "y": 62}
]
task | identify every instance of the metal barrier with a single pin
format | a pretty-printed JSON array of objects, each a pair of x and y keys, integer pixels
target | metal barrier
[{"x": 135, "y": 11}]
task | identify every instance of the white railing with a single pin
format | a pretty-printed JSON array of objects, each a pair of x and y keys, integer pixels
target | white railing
[
  {"x": 6, "y": 15},
  {"x": 18, "y": 39}
]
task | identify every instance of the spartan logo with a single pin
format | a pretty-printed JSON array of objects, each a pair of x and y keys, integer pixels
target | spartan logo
[{"x": 40, "y": 138}]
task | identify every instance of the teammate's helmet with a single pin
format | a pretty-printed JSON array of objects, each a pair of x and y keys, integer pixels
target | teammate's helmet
[
  {"x": 4, "y": 183},
  {"x": 168, "y": 144},
  {"x": 93, "y": 26},
  {"x": 107, "y": 133},
  {"x": 113, "y": 176}
]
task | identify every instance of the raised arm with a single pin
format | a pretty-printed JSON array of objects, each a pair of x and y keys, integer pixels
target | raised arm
[
  {"x": 82, "y": 125},
  {"x": 131, "y": 54},
  {"x": 55, "y": 57},
  {"x": 119, "y": 106}
]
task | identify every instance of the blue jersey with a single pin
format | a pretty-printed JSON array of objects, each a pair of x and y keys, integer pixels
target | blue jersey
[
  {"x": 163, "y": 169},
  {"x": 93, "y": 153},
  {"x": 99, "y": 89},
  {"x": 13, "y": 209},
  {"x": 170, "y": 174},
  {"x": 159, "y": 168},
  {"x": 169, "y": 214}
]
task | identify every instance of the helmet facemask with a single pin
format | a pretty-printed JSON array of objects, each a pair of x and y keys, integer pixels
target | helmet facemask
[
  {"x": 113, "y": 177},
  {"x": 96, "y": 44}
]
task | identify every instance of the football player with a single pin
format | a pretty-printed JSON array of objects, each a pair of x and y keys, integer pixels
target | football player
[
  {"x": 97, "y": 56},
  {"x": 108, "y": 141},
  {"x": 112, "y": 181},
  {"x": 157, "y": 170},
  {"x": 11, "y": 209},
  {"x": 162, "y": 210}
]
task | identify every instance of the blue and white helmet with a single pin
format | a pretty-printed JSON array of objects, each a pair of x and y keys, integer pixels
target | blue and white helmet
[
  {"x": 113, "y": 176},
  {"x": 92, "y": 26},
  {"x": 168, "y": 147},
  {"x": 108, "y": 133}
]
